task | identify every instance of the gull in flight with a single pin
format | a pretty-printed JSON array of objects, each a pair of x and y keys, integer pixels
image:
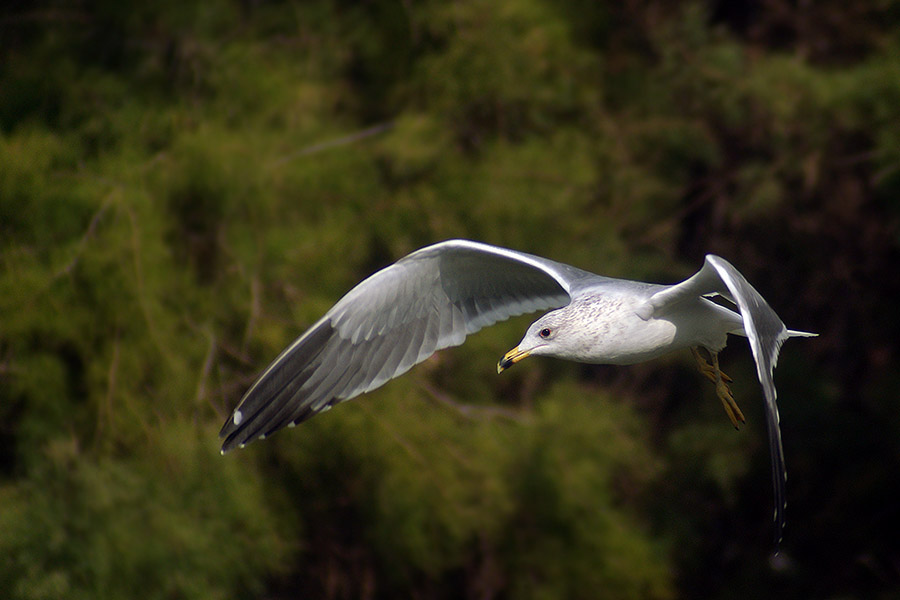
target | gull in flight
[{"x": 436, "y": 296}]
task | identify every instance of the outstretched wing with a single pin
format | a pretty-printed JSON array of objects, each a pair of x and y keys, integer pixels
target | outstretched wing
[
  {"x": 398, "y": 317},
  {"x": 765, "y": 331}
]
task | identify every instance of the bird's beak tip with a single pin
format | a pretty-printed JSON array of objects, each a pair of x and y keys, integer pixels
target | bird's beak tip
[{"x": 511, "y": 358}]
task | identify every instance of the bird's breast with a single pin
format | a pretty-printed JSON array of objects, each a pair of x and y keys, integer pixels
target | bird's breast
[{"x": 613, "y": 333}]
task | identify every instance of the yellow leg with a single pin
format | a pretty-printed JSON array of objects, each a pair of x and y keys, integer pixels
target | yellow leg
[
  {"x": 714, "y": 374},
  {"x": 707, "y": 369}
]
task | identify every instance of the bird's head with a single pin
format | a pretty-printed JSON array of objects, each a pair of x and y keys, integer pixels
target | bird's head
[{"x": 548, "y": 336}]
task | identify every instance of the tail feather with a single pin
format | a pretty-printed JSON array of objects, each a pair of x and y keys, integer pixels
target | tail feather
[{"x": 795, "y": 333}]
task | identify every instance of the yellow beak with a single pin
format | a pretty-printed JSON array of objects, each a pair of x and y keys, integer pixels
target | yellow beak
[{"x": 511, "y": 358}]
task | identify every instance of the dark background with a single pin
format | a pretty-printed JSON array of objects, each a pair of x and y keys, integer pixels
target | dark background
[{"x": 184, "y": 187}]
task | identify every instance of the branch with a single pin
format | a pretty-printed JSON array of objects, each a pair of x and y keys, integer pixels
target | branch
[
  {"x": 341, "y": 141},
  {"x": 473, "y": 412},
  {"x": 82, "y": 243}
]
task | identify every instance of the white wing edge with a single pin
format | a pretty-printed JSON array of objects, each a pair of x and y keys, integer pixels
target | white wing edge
[{"x": 548, "y": 266}]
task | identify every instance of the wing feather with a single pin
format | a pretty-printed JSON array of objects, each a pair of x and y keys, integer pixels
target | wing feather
[
  {"x": 765, "y": 332},
  {"x": 396, "y": 318}
]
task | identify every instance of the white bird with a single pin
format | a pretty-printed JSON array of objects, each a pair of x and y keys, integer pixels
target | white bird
[{"x": 436, "y": 296}]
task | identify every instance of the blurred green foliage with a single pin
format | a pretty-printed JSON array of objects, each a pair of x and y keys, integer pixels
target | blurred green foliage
[{"x": 185, "y": 186}]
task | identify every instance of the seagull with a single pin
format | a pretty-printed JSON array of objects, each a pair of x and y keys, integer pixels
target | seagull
[{"x": 436, "y": 296}]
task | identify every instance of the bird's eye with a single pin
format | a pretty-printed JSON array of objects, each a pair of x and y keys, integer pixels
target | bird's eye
[{"x": 545, "y": 333}]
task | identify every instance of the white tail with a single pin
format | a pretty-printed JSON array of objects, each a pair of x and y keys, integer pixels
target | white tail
[{"x": 795, "y": 333}]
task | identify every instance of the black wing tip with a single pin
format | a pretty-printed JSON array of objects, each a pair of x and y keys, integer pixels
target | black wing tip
[
  {"x": 232, "y": 431},
  {"x": 779, "y": 524},
  {"x": 271, "y": 402},
  {"x": 239, "y": 438},
  {"x": 237, "y": 430}
]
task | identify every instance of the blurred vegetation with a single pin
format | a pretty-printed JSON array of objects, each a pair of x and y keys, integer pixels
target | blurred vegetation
[{"x": 185, "y": 186}]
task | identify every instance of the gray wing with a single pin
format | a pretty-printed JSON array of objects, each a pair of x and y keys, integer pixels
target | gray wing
[
  {"x": 766, "y": 333},
  {"x": 398, "y": 317}
]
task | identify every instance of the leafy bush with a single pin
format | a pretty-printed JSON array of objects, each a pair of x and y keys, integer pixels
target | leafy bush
[{"x": 184, "y": 187}]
